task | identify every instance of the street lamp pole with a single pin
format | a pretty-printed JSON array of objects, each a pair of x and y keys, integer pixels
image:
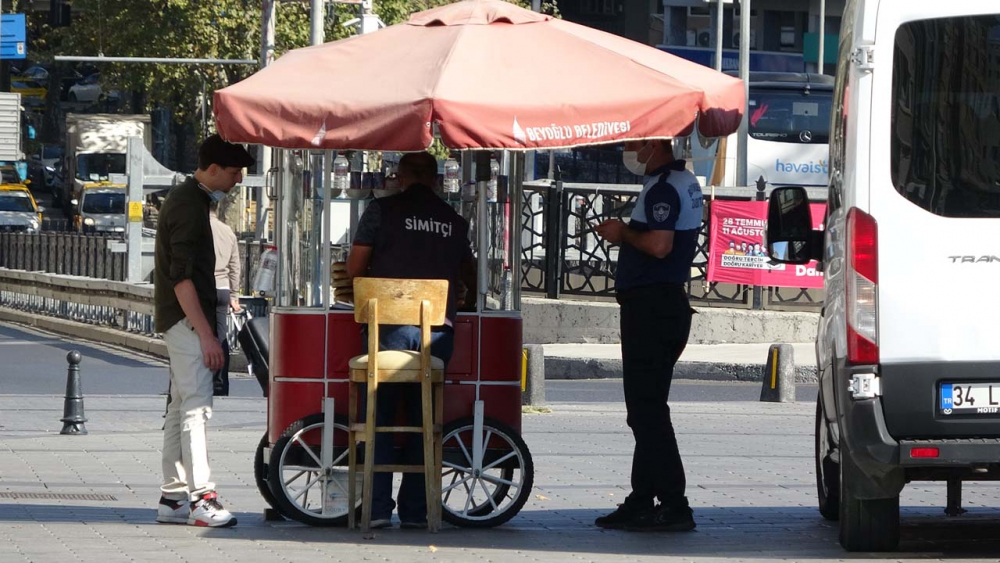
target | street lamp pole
[
  {"x": 741, "y": 151},
  {"x": 820, "y": 61},
  {"x": 316, "y": 21},
  {"x": 266, "y": 58},
  {"x": 720, "y": 11}
]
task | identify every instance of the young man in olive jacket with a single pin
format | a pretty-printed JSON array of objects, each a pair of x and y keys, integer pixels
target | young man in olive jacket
[{"x": 184, "y": 313}]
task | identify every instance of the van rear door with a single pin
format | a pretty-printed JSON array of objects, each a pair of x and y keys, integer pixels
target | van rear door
[{"x": 935, "y": 195}]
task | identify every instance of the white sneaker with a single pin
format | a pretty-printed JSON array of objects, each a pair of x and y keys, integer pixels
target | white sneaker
[
  {"x": 173, "y": 511},
  {"x": 208, "y": 512}
]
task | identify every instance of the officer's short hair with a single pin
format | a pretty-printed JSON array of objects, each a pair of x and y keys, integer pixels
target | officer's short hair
[{"x": 421, "y": 166}]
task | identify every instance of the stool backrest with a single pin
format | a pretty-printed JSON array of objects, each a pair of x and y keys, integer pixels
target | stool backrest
[{"x": 399, "y": 300}]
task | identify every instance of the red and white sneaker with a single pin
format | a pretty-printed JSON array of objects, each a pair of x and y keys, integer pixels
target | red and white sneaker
[
  {"x": 208, "y": 512},
  {"x": 173, "y": 511}
]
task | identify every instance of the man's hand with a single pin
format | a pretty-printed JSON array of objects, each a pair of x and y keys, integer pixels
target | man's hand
[
  {"x": 211, "y": 350},
  {"x": 234, "y": 304},
  {"x": 612, "y": 231}
]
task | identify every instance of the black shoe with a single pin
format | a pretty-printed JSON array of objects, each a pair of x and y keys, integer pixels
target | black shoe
[
  {"x": 622, "y": 517},
  {"x": 413, "y": 524},
  {"x": 664, "y": 519},
  {"x": 381, "y": 523}
]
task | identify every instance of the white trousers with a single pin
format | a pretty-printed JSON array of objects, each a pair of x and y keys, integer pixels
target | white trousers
[{"x": 186, "y": 474}]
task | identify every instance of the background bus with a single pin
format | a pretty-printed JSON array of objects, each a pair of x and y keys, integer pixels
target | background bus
[{"x": 789, "y": 118}]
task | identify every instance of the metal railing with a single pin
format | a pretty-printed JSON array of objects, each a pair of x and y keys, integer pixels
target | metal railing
[
  {"x": 90, "y": 255},
  {"x": 250, "y": 251},
  {"x": 562, "y": 254},
  {"x": 114, "y": 304},
  {"x": 80, "y": 278},
  {"x": 93, "y": 255}
]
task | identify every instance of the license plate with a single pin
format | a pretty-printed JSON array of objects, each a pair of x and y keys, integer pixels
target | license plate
[{"x": 970, "y": 398}]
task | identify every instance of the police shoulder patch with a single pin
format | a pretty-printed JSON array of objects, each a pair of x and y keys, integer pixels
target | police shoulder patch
[{"x": 660, "y": 212}]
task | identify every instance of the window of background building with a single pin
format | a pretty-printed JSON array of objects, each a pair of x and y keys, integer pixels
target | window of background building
[
  {"x": 736, "y": 28},
  {"x": 598, "y": 7},
  {"x": 788, "y": 36}
]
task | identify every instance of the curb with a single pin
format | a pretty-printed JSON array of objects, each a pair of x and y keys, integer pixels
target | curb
[{"x": 592, "y": 368}]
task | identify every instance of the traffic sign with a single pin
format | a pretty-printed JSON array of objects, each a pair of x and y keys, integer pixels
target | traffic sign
[{"x": 13, "y": 37}]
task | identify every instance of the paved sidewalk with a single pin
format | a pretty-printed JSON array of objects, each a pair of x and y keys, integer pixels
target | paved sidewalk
[
  {"x": 748, "y": 466},
  {"x": 722, "y": 362}
]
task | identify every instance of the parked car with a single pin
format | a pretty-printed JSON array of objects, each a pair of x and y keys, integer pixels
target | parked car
[
  {"x": 10, "y": 175},
  {"x": 18, "y": 210},
  {"x": 37, "y": 73},
  {"x": 45, "y": 167},
  {"x": 909, "y": 369},
  {"x": 28, "y": 89},
  {"x": 89, "y": 90}
]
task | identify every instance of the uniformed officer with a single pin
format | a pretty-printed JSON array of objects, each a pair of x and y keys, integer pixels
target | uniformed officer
[
  {"x": 412, "y": 235},
  {"x": 657, "y": 248}
]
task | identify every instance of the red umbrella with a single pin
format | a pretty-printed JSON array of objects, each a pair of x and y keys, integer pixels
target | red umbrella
[{"x": 487, "y": 75}]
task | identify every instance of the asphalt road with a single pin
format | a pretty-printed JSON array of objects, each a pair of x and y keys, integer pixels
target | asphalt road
[{"x": 33, "y": 362}]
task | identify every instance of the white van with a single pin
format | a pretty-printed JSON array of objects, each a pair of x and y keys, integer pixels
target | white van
[{"x": 907, "y": 345}]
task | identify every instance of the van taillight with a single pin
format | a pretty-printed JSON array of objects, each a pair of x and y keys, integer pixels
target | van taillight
[{"x": 862, "y": 288}]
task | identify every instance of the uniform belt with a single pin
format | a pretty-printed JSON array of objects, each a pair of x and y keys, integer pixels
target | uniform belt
[{"x": 652, "y": 289}]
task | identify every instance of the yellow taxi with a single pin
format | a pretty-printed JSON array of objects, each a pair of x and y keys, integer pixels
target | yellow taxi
[
  {"x": 18, "y": 210},
  {"x": 28, "y": 88}
]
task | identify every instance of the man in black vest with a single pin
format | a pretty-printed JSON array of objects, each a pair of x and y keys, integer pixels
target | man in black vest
[{"x": 412, "y": 235}]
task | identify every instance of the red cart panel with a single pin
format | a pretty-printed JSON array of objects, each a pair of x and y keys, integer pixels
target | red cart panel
[
  {"x": 289, "y": 401},
  {"x": 297, "y": 345},
  {"x": 501, "y": 349}
]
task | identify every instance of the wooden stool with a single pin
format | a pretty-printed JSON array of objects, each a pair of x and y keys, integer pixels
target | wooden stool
[{"x": 397, "y": 302}]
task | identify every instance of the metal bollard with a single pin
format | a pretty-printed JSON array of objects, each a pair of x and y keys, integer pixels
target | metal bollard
[
  {"x": 779, "y": 375},
  {"x": 533, "y": 376},
  {"x": 73, "y": 418}
]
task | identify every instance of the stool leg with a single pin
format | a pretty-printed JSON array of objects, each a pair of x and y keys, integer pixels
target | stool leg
[
  {"x": 427, "y": 423},
  {"x": 439, "y": 422},
  {"x": 352, "y": 455},
  {"x": 366, "y": 498}
]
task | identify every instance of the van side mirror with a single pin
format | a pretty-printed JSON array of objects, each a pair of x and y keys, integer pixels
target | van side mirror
[{"x": 790, "y": 236}]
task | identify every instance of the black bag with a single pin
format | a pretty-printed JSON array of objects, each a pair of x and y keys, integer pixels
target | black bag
[
  {"x": 253, "y": 337},
  {"x": 220, "y": 379}
]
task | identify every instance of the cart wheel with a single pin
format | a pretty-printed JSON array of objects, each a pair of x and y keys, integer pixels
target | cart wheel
[
  {"x": 304, "y": 490},
  {"x": 260, "y": 472},
  {"x": 493, "y": 493}
]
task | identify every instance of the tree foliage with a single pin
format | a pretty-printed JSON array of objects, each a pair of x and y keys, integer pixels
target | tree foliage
[{"x": 219, "y": 29}]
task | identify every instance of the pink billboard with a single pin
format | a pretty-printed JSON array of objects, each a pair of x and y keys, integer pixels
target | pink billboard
[{"x": 737, "y": 253}]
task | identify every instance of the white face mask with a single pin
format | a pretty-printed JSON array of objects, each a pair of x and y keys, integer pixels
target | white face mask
[{"x": 631, "y": 161}]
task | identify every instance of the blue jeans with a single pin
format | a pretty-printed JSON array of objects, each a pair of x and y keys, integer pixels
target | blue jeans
[{"x": 392, "y": 396}]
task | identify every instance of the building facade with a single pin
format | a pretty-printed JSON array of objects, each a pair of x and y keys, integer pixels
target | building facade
[{"x": 783, "y": 33}]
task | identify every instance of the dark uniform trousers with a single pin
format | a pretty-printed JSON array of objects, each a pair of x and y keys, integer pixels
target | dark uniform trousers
[{"x": 655, "y": 324}]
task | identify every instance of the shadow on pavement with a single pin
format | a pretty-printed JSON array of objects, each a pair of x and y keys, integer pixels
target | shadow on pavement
[{"x": 735, "y": 532}]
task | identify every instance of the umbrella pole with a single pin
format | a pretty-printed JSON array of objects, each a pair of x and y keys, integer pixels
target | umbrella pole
[{"x": 482, "y": 159}]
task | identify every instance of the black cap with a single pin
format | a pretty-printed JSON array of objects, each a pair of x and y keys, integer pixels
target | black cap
[{"x": 219, "y": 152}]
